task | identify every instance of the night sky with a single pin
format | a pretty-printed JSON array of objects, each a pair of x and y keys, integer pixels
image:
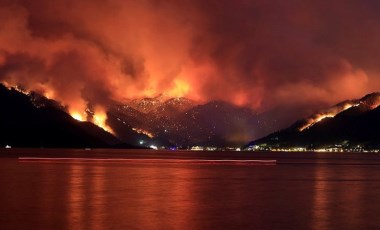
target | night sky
[{"x": 256, "y": 53}]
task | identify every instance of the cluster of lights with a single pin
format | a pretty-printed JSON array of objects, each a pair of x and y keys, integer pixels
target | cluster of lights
[
  {"x": 147, "y": 104},
  {"x": 212, "y": 148},
  {"x": 332, "y": 148}
]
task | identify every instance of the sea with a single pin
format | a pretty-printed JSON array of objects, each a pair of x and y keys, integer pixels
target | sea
[{"x": 146, "y": 189}]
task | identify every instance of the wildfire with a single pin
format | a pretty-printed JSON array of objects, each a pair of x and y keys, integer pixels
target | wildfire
[
  {"x": 99, "y": 118},
  {"x": 15, "y": 87},
  {"x": 49, "y": 93},
  {"x": 329, "y": 114},
  {"x": 149, "y": 134},
  {"x": 375, "y": 105},
  {"x": 313, "y": 121},
  {"x": 180, "y": 89},
  {"x": 77, "y": 116}
]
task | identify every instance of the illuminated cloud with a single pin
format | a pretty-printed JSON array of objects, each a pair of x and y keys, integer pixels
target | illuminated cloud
[{"x": 261, "y": 54}]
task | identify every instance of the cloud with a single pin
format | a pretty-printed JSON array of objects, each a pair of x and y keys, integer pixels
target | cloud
[{"x": 253, "y": 53}]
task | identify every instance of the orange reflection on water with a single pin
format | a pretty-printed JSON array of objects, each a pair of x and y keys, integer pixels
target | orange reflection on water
[
  {"x": 87, "y": 196},
  {"x": 161, "y": 200},
  {"x": 97, "y": 198},
  {"x": 76, "y": 196},
  {"x": 353, "y": 196},
  {"x": 47, "y": 188},
  {"x": 321, "y": 199},
  {"x": 338, "y": 196}
]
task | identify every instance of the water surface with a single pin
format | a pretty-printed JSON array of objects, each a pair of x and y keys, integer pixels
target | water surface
[{"x": 303, "y": 191}]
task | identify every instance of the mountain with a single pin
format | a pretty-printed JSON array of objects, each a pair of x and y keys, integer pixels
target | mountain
[
  {"x": 158, "y": 121},
  {"x": 173, "y": 107},
  {"x": 350, "y": 124},
  {"x": 30, "y": 120},
  {"x": 134, "y": 126},
  {"x": 182, "y": 122},
  {"x": 145, "y": 105},
  {"x": 143, "y": 121}
]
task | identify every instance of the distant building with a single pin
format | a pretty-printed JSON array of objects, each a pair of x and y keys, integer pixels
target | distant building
[{"x": 197, "y": 148}]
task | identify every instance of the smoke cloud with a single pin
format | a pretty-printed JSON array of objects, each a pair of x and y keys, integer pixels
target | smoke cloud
[{"x": 261, "y": 54}]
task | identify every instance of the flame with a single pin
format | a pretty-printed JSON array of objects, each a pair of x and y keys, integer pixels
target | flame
[
  {"x": 180, "y": 89},
  {"x": 100, "y": 115},
  {"x": 49, "y": 93},
  {"x": 375, "y": 105},
  {"x": 313, "y": 121},
  {"x": 77, "y": 116},
  {"x": 147, "y": 133},
  {"x": 100, "y": 118},
  {"x": 18, "y": 89},
  {"x": 330, "y": 114}
]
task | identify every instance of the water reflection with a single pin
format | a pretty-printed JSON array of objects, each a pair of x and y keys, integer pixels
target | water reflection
[
  {"x": 353, "y": 195},
  {"x": 47, "y": 189},
  {"x": 97, "y": 201},
  {"x": 76, "y": 195},
  {"x": 154, "y": 197},
  {"x": 321, "y": 199},
  {"x": 86, "y": 196},
  {"x": 338, "y": 197},
  {"x": 98, "y": 196}
]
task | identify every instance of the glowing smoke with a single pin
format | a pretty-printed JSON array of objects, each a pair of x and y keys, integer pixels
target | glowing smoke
[{"x": 255, "y": 53}]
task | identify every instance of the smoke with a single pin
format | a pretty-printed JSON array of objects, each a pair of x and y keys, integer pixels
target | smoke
[{"x": 261, "y": 54}]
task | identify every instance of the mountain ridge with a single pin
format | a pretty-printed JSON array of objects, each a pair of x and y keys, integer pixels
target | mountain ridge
[
  {"x": 25, "y": 124},
  {"x": 348, "y": 124},
  {"x": 170, "y": 122}
]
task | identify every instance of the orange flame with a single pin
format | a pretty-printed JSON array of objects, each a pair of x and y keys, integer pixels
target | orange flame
[
  {"x": 77, "y": 116},
  {"x": 100, "y": 118},
  {"x": 147, "y": 133},
  {"x": 180, "y": 89},
  {"x": 49, "y": 93},
  {"x": 329, "y": 114},
  {"x": 313, "y": 121}
]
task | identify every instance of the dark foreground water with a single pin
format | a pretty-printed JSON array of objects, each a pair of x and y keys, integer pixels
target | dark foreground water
[{"x": 303, "y": 191}]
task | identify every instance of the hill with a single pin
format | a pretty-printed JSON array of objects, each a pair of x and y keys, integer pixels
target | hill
[
  {"x": 349, "y": 125},
  {"x": 29, "y": 121}
]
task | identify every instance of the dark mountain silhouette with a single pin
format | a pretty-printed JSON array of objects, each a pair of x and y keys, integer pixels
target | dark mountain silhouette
[
  {"x": 34, "y": 121},
  {"x": 347, "y": 124},
  {"x": 31, "y": 120}
]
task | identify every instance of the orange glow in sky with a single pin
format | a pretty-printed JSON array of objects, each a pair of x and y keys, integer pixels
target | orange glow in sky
[
  {"x": 181, "y": 88},
  {"x": 79, "y": 52}
]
